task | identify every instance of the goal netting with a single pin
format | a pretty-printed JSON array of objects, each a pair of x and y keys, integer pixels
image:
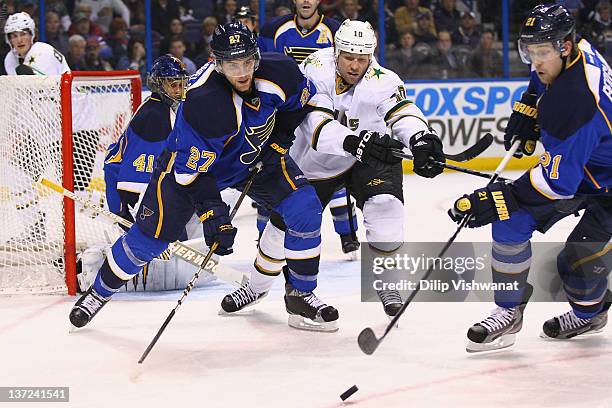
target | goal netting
[{"x": 57, "y": 127}]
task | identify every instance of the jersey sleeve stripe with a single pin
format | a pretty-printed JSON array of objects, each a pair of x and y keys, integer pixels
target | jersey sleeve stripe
[
  {"x": 398, "y": 118},
  {"x": 591, "y": 177},
  {"x": 284, "y": 167},
  {"x": 397, "y": 108},
  {"x": 160, "y": 202},
  {"x": 595, "y": 91},
  {"x": 317, "y": 133},
  {"x": 324, "y": 110},
  {"x": 270, "y": 87},
  {"x": 538, "y": 181}
]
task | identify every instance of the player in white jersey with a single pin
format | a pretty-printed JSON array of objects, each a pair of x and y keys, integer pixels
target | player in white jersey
[
  {"x": 355, "y": 96},
  {"x": 26, "y": 56}
]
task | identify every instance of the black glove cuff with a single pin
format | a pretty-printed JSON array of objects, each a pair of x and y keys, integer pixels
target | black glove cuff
[{"x": 350, "y": 144}]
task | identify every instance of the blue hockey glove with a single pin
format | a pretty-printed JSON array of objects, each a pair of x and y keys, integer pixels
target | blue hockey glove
[
  {"x": 491, "y": 203},
  {"x": 217, "y": 226},
  {"x": 523, "y": 126}
]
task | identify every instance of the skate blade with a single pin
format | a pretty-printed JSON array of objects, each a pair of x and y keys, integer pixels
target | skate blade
[
  {"x": 72, "y": 328},
  {"x": 588, "y": 333},
  {"x": 303, "y": 323},
  {"x": 351, "y": 256},
  {"x": 498, "y": 344}
]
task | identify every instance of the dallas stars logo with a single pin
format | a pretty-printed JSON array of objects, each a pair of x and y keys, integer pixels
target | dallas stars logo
[{"x": 377, "y": 72}]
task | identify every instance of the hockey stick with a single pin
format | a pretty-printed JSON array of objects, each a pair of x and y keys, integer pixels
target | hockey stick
[
  {"x": 182, "y": 250},
  {"x": 193, "y": 280},
  {"x": 367, "y": 340},
  {"x": 473, "y": 151},
  {"x": 401, "y": 154}
]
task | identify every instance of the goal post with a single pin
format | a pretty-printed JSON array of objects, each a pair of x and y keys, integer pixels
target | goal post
[{"x": 57, "y": 127}]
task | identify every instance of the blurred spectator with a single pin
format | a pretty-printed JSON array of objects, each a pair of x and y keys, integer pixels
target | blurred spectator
[
  {"x": 28, "y": 6},
  {"x": 93, "y": 62},
  {"x": 247, "y": 17},
  {"x": 486, "y": 61},
  {"x": 177, "y": 48},
  {"x": 229, "y": 11},
  {"x": 59, "y": 8},
  {"x": 406, "y": 16},
  {"x": 425, "y": 31},
  {"x": 444, "y": 62},
  {"x": 281, "y": 11},
  {"x": 54, "y": 34},
  {"x": 135, "y": 58},
  {"x": 202, "y": 48},
  {"x": 369, "y": 12},
  {"x": 4, "y": 47},
  {"x": 137, "y": 14},
  {"x": 405, "y": 61},
  {"x": 348, "y": 9},
  {"x": 102, "y": 11},
  {"x": 600, "y": 28},
  {"x": 175, "y": 30},
  {"x": 186, "y": 11},
  {"x": 447, "y": 16},
  {"x": 467, "y": 34},
  {"x": 117, "y": 39},
  {"x": 162, "y": 12},
  {"x": 76, "y": 52},
  {"x": 330, "y": 7},
  {"x": 82, "y": 25}
]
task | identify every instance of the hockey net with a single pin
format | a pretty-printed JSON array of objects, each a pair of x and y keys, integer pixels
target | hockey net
[{"x": 57, "y": 127}]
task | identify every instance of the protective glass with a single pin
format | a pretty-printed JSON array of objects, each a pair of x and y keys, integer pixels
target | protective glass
[
  {"x": 543, "y": 52},
  {"x": 238, "y": 67}
]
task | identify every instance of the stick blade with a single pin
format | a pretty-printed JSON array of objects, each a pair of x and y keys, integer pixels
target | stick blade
[
  {"x": 367, "y": 341},
  {"x": 473, "y": 151}
]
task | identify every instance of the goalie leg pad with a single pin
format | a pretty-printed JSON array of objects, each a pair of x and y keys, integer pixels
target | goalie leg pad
[{"x": 125, "y": 259}]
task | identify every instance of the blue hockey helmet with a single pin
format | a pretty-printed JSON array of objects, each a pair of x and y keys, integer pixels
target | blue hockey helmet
[
  {"x": 546, "y": 24},
  {"x": 234, "y": 41},
  {"x": 168, "y": 79}
]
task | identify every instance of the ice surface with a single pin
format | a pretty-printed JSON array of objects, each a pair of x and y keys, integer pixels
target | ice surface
[{"x": 256, "y": 360}]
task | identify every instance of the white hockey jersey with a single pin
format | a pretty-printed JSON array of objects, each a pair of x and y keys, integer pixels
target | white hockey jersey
[
  {"x": 42, "y": 58},
  {"x": 378, "y": 103}
]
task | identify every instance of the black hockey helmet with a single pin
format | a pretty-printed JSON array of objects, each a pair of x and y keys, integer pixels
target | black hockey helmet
[
  {"x": 232, "y": 41},
  {"x": 546, "y": 23},
  {"x": 167, "y": 69}
]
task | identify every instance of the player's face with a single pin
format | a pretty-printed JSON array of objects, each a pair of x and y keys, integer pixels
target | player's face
[
  {"x": 175, "y": 88},
  {"x": 21, "y": 41},
  {"x": 248, "y": 23},
  {"x": 239, "y": 72},
  {"x": 352, "y": 67},
  {"x": 546, "y": 60},
  {"x": 306, "y": 8}
]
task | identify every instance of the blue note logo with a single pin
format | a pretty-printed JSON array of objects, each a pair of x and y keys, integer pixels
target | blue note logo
[{"x": 256, "y": 136}]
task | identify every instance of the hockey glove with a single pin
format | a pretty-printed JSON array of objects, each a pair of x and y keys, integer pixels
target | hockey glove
[
  {"x": 372, "y": 149},
  {"x": 217, "y": 226},
  {"x": 424, "y": 147},
  {"x": 494, "y": 202},
  {"x": 523, "y": 126}
]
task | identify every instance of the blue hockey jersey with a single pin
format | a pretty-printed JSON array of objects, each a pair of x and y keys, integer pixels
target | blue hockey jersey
[
  {"x": 283, "y": 35},
  {"x": 574, "y": 115},
  {"x": 130, "y": 161},
  {"x": 221, "y": 133}
]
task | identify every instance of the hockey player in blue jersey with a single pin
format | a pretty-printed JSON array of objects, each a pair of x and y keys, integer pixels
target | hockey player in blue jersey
[
  {"x": 129, "y": 162},
  {"x": 240, "y": 110},
  {"x": 568, "y": 107},
  {"x": 298, "y": 36}
]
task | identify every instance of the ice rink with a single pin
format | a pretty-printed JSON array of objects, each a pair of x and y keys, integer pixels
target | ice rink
[{"x": 256, "y": 360}]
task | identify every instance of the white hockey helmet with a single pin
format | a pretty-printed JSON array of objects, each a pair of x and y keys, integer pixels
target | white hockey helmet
[
  {"x": 356, "y": 37},
  {"x": 19, "y": 22}
]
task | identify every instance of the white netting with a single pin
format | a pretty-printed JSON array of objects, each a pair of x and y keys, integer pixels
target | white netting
[{"x": 32, "y": 217}]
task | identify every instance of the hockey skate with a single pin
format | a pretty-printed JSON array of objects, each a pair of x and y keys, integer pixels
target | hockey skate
[
  {"x": 391, "y": 301},
  {"x": 307, "y": 312},
  {"x": 350, "y": 246},
  {"x": 499, "y": 330},
  {"x": 88, "y": 305},
  {"x": 569, "y": 325},
  {"x": 241, "y": 299}
]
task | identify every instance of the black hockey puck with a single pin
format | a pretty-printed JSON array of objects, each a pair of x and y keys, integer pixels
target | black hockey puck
[{"x": 348, "y": 392}]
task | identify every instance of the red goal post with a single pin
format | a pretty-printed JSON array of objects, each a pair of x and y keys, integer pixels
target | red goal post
[{"x": 57, "y": 127}]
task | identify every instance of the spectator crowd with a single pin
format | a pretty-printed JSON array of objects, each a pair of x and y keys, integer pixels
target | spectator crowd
[{"x": 423, "y": 38}]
